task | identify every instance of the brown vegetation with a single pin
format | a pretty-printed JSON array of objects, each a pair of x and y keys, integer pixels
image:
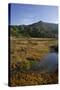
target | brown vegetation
[{"x": 24, "y": 53}]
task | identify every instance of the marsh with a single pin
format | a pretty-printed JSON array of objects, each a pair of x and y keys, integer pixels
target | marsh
[{"x": 49, "y": 62}]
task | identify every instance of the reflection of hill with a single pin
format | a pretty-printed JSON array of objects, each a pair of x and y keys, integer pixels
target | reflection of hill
[{"x": 54, "y": 49}]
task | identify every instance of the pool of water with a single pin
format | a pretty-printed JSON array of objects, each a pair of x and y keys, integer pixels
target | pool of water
[{"x": 49, "y": 63}]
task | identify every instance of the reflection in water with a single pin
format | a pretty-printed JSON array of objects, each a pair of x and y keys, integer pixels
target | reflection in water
[
  {"x": 48, "y": 64},
  {"x": 54, "y": 48}
]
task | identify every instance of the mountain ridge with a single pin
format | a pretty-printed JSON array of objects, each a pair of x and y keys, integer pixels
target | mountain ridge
[{"x": 38, "y": 29}]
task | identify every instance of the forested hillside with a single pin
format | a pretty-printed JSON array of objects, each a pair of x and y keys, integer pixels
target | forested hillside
[{"x": 38, "y": 30}]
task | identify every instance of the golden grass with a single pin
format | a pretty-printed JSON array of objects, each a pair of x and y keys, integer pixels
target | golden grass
[
  {"x": 33, "y": 78},
  {"x": 23, "y": 53}
]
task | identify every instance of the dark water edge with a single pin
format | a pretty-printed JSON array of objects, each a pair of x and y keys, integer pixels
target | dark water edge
[
  {"x": 54, "y": 49},
  {"x": 49, "y": 62}
]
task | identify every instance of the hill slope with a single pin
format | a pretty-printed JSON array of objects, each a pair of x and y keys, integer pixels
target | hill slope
[{"x": 37, "y": 30}]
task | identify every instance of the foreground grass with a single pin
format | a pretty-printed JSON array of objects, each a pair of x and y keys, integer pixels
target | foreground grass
[
  {"x": 33, "y": 78},
  {"x": 24, "y": 53}
]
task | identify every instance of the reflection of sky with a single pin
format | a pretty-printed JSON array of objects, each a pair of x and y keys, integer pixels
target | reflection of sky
[{"x": 27, "y": 14}]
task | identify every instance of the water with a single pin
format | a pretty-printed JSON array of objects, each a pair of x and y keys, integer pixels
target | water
[{"x": 49, "y": 63}]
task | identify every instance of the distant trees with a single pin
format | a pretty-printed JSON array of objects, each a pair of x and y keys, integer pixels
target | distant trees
[{"x": 37, "y": 30}]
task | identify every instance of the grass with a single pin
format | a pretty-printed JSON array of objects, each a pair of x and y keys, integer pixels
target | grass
[
  {"x": 24, "y": 53},
  {"x": 33, "y": 78}
]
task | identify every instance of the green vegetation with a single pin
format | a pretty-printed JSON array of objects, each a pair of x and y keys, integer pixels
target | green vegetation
[{"x": 37, "y": 30}]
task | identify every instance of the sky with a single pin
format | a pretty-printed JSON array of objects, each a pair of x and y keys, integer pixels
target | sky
[{"x": 25, "y": 14}]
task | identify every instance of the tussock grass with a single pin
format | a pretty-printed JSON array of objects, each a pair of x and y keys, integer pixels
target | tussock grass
[{"x": 24, "y": 53}]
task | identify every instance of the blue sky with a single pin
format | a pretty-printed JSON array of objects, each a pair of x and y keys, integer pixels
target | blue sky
[{"x": 28, "y": 14}]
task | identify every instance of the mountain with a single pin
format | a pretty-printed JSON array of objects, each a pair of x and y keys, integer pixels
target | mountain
[{"x": 38, "y": 30}]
